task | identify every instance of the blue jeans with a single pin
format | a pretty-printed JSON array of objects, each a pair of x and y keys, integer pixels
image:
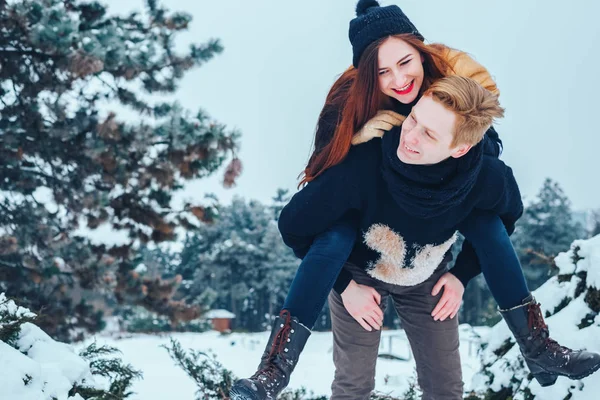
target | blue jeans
[
  {"x": 486, "y": 237},
  {"x": 319, "y": 270}
]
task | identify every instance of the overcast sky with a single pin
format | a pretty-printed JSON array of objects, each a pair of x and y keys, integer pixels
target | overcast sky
[{"x": 281, "y": 58}]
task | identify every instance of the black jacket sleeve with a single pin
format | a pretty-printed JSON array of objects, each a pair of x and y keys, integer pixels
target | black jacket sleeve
[
  {"x": 467, "y": 264},
  {"x": 342, "y": 281},
  {"x": 319, "y": 205},
  {"x": 510, "y": 204},
  {"x": 499, "y": 193}
]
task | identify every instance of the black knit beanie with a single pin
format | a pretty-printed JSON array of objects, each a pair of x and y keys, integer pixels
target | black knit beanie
[{"x": 373, "y": 22}]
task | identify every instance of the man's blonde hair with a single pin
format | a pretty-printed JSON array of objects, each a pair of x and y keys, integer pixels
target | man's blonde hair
[{"x": 475, "y": 107}]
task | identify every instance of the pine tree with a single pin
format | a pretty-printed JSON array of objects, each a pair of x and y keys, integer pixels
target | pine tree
[
  {"x": 594, "y": 223},
  {"x": 67, "y": 168},
  {"x": 545, "y": 229},
  {"x": 279, "y": 201},
  {"x": 239, "y": 263}
]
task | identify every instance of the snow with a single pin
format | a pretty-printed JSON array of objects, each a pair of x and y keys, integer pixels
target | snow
[
  {"x": 554, "y": 292},
  {"x": 47, "y": 361},
  {"x": 45, "y": 196},
  {"x": 141, "y": 268},
  {"x": 38, "y": 368},
  {"x": 60, "y": 358},
  {"x": 589, "y": 253},
  {"x": 15, "y": 366},
  {"x": 35, "y": 367},
  {"x": 105, "y": 234},
  {"x": 62, "y": 265},
  {"x": 212, "y": 314},
  {"x": 9, "y": 307},
  {"x": 240, "y": 353}
]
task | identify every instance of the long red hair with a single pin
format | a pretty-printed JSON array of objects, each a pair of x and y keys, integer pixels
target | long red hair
[{"x": 355, "y": 98}]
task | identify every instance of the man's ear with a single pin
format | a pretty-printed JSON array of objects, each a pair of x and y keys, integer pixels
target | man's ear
[{"x": 460, "y": 151}]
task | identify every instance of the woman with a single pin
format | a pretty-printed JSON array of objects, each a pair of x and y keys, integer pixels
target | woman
[{"x": 392, "y": 75}]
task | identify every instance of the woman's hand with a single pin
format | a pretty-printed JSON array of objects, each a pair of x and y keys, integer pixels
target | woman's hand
[
  {"x": 450, "y": 301},
  {"x": 382, "y": 122},
  {"x": 362, "y": 303}
]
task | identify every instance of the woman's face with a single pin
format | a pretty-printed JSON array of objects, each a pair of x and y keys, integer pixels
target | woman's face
[{"x": 400, "y": 70}]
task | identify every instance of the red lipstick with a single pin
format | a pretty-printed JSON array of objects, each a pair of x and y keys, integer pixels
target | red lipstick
[{"x": 405, "y": 91}]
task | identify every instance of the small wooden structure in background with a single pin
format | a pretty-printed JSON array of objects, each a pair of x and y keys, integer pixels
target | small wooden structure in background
[{"x": 221, "y": 319}]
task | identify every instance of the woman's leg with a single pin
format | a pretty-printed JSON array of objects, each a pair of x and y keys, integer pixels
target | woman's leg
[
  {"x": 486, "y": 235},
  {"x": 314, "y": 280},
  {"x": 318, "y": 271},
  {"x": 545, "y": 358}
]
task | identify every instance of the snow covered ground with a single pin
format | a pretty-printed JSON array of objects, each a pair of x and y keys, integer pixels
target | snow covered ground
[
  {"x": 35, "y": 367},
  {"x": 241, "y": 352},
  {"x": 565, "y": 299}
]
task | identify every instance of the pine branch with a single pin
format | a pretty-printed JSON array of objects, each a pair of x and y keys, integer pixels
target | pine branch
[
  {"x": 542, "y": 258},
  {"x": 213, "y": 381},
  {"x": 22, "y": 52},
  {"x": 120, "y": 375}
]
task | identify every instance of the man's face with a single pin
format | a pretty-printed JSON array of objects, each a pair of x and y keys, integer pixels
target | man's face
[{"x": 427, "y": 134}]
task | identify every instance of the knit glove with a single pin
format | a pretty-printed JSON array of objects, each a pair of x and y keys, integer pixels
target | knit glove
[{"x": 382, "y": 122}]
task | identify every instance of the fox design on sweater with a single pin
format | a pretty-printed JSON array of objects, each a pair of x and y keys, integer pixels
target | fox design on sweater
[{"x": 391, "y": 267}]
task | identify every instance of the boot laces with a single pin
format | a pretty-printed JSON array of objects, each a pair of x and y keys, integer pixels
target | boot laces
[
  {"x": 270, "y": 371},
  {"x": 538, "y": 326}
]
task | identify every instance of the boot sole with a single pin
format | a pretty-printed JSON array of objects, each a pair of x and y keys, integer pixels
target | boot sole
[
  {"x": 591, "y": 371},
  {"x": 546, "y": 379},
  {"x": 241, "y": 393}
]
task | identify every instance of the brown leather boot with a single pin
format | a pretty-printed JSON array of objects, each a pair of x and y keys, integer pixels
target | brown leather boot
[
  {"x": 545, "y": 357},
  {"x": 287, "y": 340}
]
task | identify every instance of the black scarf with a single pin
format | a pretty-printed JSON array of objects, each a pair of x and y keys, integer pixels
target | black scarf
[{"x": 427, "y": 191}]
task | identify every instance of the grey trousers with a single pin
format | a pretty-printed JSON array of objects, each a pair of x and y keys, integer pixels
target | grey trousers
[{"x": 433, "y": 343}]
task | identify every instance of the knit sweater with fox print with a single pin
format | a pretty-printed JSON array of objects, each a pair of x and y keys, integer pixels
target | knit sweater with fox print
[{"x": 397, "y": 244}]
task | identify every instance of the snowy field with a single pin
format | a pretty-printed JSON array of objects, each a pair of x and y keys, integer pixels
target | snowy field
[
  {"x": 35, "y": 367},
  {"x": 241, "y": 352}
]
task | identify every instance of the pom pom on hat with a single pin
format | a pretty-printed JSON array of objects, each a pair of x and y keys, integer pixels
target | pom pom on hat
[{"x": 363, "y": 5}]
